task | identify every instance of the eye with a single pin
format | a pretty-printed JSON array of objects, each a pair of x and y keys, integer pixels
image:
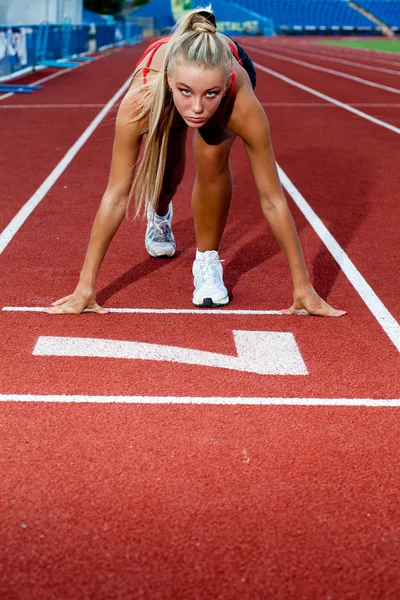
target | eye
[
  {"x": 184, "y": 92},
  {"x": 211, "y": 94}
]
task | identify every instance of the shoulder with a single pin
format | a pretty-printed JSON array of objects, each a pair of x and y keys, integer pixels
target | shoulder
[
  {"x": 129, "y": 120},
  {"x": 155, "y": 53},
  {"x": 248, "y": 119}
]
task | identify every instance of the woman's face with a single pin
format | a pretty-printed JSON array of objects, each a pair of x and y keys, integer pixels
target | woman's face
[{"x": 197, "y": 92}]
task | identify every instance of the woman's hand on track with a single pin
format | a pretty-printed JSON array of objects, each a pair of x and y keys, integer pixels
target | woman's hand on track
[
  {"x": 308, "y": 302},
  {"x": 83, "y": 298}
]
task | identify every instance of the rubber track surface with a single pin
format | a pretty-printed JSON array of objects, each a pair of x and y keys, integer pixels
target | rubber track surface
[{"x": 205, "y": 502}]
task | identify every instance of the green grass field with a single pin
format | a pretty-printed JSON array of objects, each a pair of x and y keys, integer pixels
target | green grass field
[{"x": 378, "y": 45}]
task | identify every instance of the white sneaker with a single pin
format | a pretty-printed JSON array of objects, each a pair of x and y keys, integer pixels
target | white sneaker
[
  {"x": 159, "y": 239},
  {"x": 210, "y": 291}
]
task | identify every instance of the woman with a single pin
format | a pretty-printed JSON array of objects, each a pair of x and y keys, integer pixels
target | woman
[{"x": 194, "y": 80}]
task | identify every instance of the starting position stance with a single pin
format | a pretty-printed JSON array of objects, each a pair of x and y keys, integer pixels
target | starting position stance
[{"x": 200, "y": 79}]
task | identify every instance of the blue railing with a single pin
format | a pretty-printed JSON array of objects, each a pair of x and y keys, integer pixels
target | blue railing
[
  {"x": 26, "y": 46},
  {"x": 105, "y": 35}
]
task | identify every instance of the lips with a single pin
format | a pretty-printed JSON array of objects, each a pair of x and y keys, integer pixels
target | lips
[{"x": 195, "y": 119}]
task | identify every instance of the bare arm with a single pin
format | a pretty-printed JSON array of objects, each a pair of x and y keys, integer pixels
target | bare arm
[
  {"x": 112, "y": 208},
  {"x": 249, "y": 121},
  {"x": 114, "y": 202}
]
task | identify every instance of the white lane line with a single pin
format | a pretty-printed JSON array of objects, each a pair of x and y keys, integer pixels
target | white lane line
[
  {"x": 24, "y": 106},
  {"x": 347, "y": 107},
  {"x": 367, "y": 56},
  {"x": 376, "y": 104},
  {"x": 325, "y": 70},
  {"x": 337, "y": 60},
  {"x": 52, "y": 76},
  {"x": 8, "y": 233},
  {"x": 20, "y": 73},
  {"x": 296, "y": 104},
  {"x": 384, "y": 57},
  {"x": 159, "y": 311},
  {"x": 385, "y": 319},
  {"x": 327, "y": 105},
  {"x": 228, "y": 401}
]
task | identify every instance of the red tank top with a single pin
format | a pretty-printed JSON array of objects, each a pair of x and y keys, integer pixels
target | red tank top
[{"x": 152, "y": 49}]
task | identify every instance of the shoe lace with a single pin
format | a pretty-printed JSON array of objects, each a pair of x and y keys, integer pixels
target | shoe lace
[
  {"x": 209, "y": 271},
  {"x": 162, "y": 232}
]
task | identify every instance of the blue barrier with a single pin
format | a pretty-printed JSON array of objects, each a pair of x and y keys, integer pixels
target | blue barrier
[
  {"x": 17, "y": 49},
  {"x": 75, "y": 38},
  {"x": 132, "y": 33},
  {"x": 24, "y": 47},
  {"x": 127, "y": 33},
  {"x": 117, "y": 34},
  {"x": 16, "y": 52},
  {"x": 105, "y": 35},
  {"x": 50, "y": 46},
  {"x": 27, "y": 46},
  {"x": 22, "y": 89}
]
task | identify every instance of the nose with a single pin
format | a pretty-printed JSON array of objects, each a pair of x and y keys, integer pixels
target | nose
[{"x": 197, "y": 106}]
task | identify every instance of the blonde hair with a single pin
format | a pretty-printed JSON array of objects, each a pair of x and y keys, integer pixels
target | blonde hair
[{"x": 195, "y": 40}]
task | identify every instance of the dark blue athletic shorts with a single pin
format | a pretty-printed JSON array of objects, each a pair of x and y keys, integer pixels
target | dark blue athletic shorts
[{"x": 247, "y": 64}]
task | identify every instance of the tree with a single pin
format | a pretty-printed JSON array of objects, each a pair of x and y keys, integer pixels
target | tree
[
  {"x": 104, "y": 7},
  {"x": 137, "y": 3}
]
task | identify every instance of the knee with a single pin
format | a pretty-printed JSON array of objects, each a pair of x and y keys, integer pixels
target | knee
[{"x": 211, "y": 163}]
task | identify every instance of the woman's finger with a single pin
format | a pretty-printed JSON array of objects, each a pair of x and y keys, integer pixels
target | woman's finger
[
  {"x": 320, "y": 311},
  {"x": 62, "y": 309},
  {"x": 61, "y": 301},
  {"x": 328, "y": 311},
  {"x": 289, "y": 311},
  {"x": 69, "y": 309},
  {"x": 98, "y": 309}
]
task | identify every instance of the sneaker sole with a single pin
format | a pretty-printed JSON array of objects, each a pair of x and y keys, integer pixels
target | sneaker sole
[
  {"x": 208, "y": 303},
  {"x": 161, "y": 254}
]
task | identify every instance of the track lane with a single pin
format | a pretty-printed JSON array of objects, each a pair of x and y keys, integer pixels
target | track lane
[
  {"x": 378, "y": 76},
  {"x": 43, "y": 136},
  {"x": 346, "y": 165},
  {"x": 255, "y": 272},
  {"x": 118, "y": 501},
  {"x": 335, "y": 369},
  {"x": 313, "y": 45},
  {"x": 362, "y": 54},
  {"x": 364, "y": 65},
  {"x": 206, "y": 502},
  {"x": 343, "y": 89}
]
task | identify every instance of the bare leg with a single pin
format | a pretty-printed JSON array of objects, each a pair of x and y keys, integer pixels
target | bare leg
[
  {"x": 174, "y": 168},
  {"x": 212, "y": 191}
]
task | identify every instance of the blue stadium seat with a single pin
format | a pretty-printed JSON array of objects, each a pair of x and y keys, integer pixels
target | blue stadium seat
[
  {"x": 313, "y": 15},
  {"x": 387, "y": 11}
]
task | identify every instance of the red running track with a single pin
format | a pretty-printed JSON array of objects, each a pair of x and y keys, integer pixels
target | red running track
[{"x": 112, "y": 500}]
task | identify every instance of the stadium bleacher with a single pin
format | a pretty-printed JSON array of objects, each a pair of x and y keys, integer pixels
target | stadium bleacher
[
  {"x": 291, "y": 16},
  {"x": 387, "y": 11}
]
